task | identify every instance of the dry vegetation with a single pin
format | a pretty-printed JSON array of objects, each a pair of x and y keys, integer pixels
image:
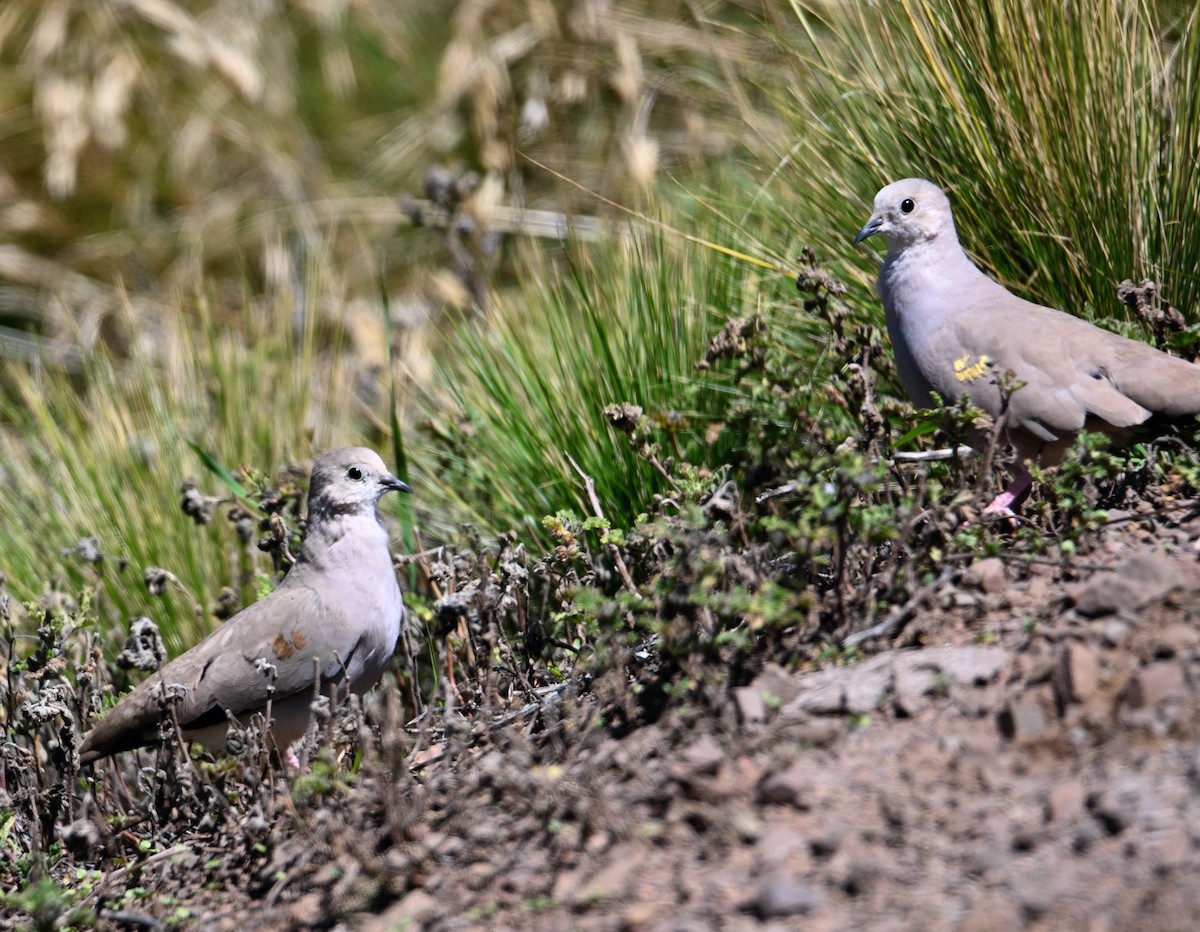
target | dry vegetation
[{"x": 652, "y": 483}]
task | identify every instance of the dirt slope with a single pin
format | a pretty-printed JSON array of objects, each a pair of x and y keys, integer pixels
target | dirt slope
[
  {"x": 1025, "y": 758},
  {"x": 1023, "y": 755}
]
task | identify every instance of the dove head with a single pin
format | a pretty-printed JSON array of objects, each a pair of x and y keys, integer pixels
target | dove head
[
  {"x": 910, "y": 211},
  {"x": 349, "y": 481}
]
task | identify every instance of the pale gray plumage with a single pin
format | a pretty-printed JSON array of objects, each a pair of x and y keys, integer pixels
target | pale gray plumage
[
  {"x": 956, "y": 332},
  {"x": 337, "y": 611}
]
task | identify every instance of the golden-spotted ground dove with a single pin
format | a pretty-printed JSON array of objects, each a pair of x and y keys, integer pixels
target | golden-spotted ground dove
[
  {"x": 957, "y": 332},
  {"x": 335, "y": 618}
]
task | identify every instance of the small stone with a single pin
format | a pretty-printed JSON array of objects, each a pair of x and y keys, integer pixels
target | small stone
[
  {"x": 1065, "y": 801},
  {"x": 971, "y": 664},
  {"x": 964, "y": 599},
  {"x": 751, "y": 707},
  {"x": 782, "y": 846},
  {"x": 988, "y": 575},
  {"x": 749, "y": 827},
  {"x": 1176, "y": 640},
  {"x": 307, "y": 911},
  {"x": 777, "y": 685},
  {"x": 855, "y": 867},
  {"x": 704, "y": 756},
  {"x": 821, "y": 693},
  {"x": 565, "y": 884},
  {"x": 1134, "y": 583},
  {"x": 992, "y": 912},
  {"x": 1026, "y": 829},
  {"x": 808, "y": 731},
  {"x": 792, "y": 786},
  {"x": 825, "y": 840},
  {"x": 1169, "y": 846},
  {"x": 914, "y": 687},
  {"x": 705, "y": 789},
  {"x": 987, "y": 859},
  {"x": 783, "y": 896},
  {"x": 1077, "y": 674},
  {"x": 413, "y": 909},
  {"x": 614, "y": 880},
  {"x": 642, "y": 915},
  {"x": 1112, "y": 811},
  {"x": 867, "y": 684},
  {"x": 1086, "y": 836},
  {"x": 1115, "y": 632},
  {"x": 1024, "y": 719},
  {"x": 1155, "y": 683}
]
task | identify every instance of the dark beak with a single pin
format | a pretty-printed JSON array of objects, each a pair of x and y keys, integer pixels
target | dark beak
[
  {"x": 392, "y": 484},
  {"x": 870, "y": 229}
]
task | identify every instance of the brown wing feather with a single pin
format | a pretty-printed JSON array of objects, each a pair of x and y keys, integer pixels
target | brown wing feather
[{"x": 218, "y": 674}]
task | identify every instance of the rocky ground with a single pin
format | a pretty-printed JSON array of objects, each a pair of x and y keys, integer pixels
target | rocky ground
[
  {"x": 1028, "y": 759},
  {"x": 1023, "y": 754}
]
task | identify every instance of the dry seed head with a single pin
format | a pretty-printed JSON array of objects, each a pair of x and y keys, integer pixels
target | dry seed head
[
  {"x": 591, "y": 20},
  {"x": 456, "y": 73},
  {"x": 572, "y": 88},
  {"x": 239, "y": 69},
  {"x": 62, "y": 102},
  {"x": 641, "y": 157},
  {"x": 49, "y": 35},
  {"x": 279, "y": 271},
  {"x": 629, "y": 77},
  {"x": 111, "y": 93},
  {"x": 192, "y": 144},
  {"x": 338, "y": 69}
]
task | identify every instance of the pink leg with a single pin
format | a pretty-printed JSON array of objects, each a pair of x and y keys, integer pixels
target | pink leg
[{"x": 1008, "y": 503}]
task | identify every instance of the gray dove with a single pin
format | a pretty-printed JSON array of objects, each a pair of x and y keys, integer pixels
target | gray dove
[
  {"x": 337, "y": 611},
  {"x": 957, "y": 332}
]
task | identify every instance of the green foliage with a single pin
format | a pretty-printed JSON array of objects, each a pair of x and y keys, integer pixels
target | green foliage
[
  {"x": 521, "y": 400},
  {"x": 104, "y": 457},
  {"x": 1064, "y": 131},
  {"x": 46, "y": 904}
]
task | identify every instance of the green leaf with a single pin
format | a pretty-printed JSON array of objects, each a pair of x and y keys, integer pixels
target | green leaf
[
  {"x": 923, "y": 429},
  {"x": 223, "y": 475},
  {"x": 404, "y": 506}
]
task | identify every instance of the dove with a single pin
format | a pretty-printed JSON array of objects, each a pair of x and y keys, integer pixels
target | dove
[
  {"x": 957, "y": 333},
  {"x": 332, "y": 622}
]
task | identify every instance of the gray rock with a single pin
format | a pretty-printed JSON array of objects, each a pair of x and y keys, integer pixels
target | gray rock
[
  {"x": 783, "y": 896},
  {"x": 988, "y": 575},
  {"x": 751, "y": 708},
  {"x": 1156, "y": 683},
  {"x": 792, "y": 786},
  {"x": 1076, "y": 674},
  {"x": 1133, "y": 584},
  {"x": 1024, "y": 719}
]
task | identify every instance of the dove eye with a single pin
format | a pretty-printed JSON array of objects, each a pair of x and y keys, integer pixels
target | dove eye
[
  {"x": 354, "y": 473},
  {"x": 907, "y": 205}
]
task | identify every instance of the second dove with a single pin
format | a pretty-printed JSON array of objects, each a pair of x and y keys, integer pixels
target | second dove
[{"x": 956, "y": 332}]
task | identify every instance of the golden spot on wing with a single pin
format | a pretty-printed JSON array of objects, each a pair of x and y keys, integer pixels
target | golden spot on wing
[
  {"x": 284, "y": 648},
  {"x": 967, "y": 371}
]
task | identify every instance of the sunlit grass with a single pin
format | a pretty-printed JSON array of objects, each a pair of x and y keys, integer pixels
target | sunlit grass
[
  {"x": 103, "y": 454},
  {"x": 520, "y": 395},
  {"x": 1065, "y": 132}
]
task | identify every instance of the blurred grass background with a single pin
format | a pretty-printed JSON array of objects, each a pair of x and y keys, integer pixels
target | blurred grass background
[{"x": 201, "y": 205}]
